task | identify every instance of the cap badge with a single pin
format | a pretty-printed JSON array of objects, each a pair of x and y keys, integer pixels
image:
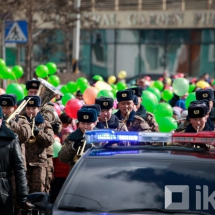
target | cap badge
[
  {"x": 34, "y": 85},
  {"x": 124, "y": 95},
  {"x": 205, "y": 95},
  {"x": 4, "y": 102},
  {"x": 105, "y": 103},
  {"x": 85, "y": 117},
  {"x": 196, "y": 111},
  {"x": 31, "y": 102}
]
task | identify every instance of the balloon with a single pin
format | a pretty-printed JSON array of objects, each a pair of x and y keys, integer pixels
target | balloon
[
  {"x": 149, "y": 101},
  {"x": 89, "y": 95},
  {"x": 2, "y": 91},
  {"x": 167, "y": 124},
  {"x": 83, "y": 88},
  {"x": 57, "y": 108},
  {"x": 17, "y": 71},
  {"x": 121, "y": 85},
  {"x": 56, "y": 148},
  {"x": 122, "y": 74},
  {"x": 24, "y": 89},
  {"x": 67, "y": 97},
  {"x": 52, "y": 68},
  {"x": 155, "y": 91},
  {"x": 169, "y": 81},
  {"x": 114, "y": 111},
  {"x": 16, "y": 89},
  {"x": 202, "y": 84},
  {"x": 105, "y": 93},
  {"x": 114, "y": 86},
  {"x": 72, "y": 107},
  {"x": 111, "y": 79},
  {"x": 54, "y": 80},
  {"x": 56, "y": 138},
  {"x": 5, "y": 72},
  {"x": 71, "y": 87},
  {"x": 64, "y": 89},
  {"x": 162, "y": 110},
  {"x": 168, "y": 88},
  {"x": 2, "y": 63},
  {"x": 192, "y": 87},
  {"x": 167, "y": 95},
  {"x": 115, "y": 104},
  {"x": 80, "y": 81},
  {"x": 101, "y": 85},
  {"x": 42, "y": 71},
  {"x": 98, "y": 78},
  {"x": 114, "y": 91},
  {"x": 159, "y": 85},
  {"x": 180, "y": 86},
  {"x": 190, "y": 98}
]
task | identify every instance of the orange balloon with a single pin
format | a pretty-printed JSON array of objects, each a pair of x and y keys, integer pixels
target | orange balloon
[
  {"x": 2, "y": 91},
  {"x": 89, "y": 95}
]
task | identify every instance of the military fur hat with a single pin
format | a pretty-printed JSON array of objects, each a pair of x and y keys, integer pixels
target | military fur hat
[
  {"x": 124, "y": 95},
  {"x": 105, "y": 102},
  {"x": 135, "y": 99},
  {"x": 205, "y": 94},
  {"x": 95, "y": 106},
  {"x": 35, "y": 101},
  {"x": 8, "y": 100},
  {"x": 32, "y": 84},
  {"x": 1, "y": 113},
  {"x": 137, "y": 91},
  {"x": 87, "y": 115},
  {"x": 197, "y": 110}
]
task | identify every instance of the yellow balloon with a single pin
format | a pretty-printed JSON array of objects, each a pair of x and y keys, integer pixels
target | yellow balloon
[
  {"x": 169, "y": 81},
  {"x": 202, "y": 84},
  {"x": 101, "y": 85},
  {"x": 122, "y": 74},
  {"x": 111, "y": 79}
]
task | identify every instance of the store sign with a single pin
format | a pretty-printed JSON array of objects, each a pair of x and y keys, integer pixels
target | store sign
[{"x": 156, "y": 19}]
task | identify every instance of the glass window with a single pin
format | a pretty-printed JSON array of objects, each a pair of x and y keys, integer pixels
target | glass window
[
  {"x": 177, "y": 36},
  {"x": 203, "y": 36},
  {"x": 104, "y": 36},
  {"x": 152, "y": 36},
  {"x": 85, "y": 36},
  {"x": 102, "y": 59},
  {"x": 84, "y": 62},
  {"x": 127, "y": 58},
  {"x": 127, "y": 36}
]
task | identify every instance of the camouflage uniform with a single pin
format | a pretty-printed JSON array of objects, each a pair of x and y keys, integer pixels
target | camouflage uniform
[{"x": 36, "y": 157}]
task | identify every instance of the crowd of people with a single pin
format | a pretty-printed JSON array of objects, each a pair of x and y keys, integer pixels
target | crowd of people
[{"x": 27, "y": 134}]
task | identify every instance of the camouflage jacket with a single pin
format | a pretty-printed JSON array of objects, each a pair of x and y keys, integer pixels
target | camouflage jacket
[{"x": 36, "y": 152}]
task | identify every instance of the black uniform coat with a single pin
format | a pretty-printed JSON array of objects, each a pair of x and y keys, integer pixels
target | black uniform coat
[{"x": 10, "y": 160}]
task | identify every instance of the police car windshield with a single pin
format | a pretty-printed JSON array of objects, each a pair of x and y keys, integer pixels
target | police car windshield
[{"x": 115, "y": 183}]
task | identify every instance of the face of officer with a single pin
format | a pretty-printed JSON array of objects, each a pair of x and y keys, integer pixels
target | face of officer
[
  {"x": 198, "y": 123},
  {"x": 105, "y": 114},
  {"x": 32, "y": 111},
  {"x": 125, "y": 106},
  {"x": 8, "y": 110},
  {"x": 32, "y": 92},
  {"x": 87, "y": 126}
]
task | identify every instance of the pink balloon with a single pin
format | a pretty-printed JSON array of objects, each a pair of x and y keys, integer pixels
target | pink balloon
[
  {"x": 57, "y": 108},
  {"x": 168, "y": 88},
  {"x": 115, "y": 104}
]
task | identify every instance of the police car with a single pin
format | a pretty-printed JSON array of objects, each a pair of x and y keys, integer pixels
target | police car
[{"x": 156, "y": 173}]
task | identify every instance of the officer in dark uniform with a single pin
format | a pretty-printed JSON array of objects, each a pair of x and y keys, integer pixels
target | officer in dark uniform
[
  {"x": 32, "y": 86},
  {"x": 141, "y": 110}
]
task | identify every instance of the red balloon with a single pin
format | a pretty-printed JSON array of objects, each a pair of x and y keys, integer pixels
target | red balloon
[
  {"x": 180, "y": 75},
  {"x": 57, "y": 108},
  {"x": 169, "y": 88},
  {"x": 72, "y": 107},
  {"x": 160, "y": 79},
  {"x": 148, "y": 78}
]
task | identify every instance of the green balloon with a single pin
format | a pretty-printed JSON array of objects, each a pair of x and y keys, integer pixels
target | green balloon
[
  {"x": 67, "y": 97},
  {"x": 149, "y": 101},
  {"x": 114, "y": 91},
  {"x": 114, "y": 86},
  {"x": 56, "y": 148},
  {"x": 2, "y": 63},
  {"x": 190, "y": 98},
  {"x": 42, "y": 71},
  {"x": 162, "y": 110},
  {"x": 167, "y": 124},
  {"x": 83, "y": 87},
  {"x": 52, "y": 68},
  {"x": 24, "y": 89},
  {"x": 6, "y": 72},
  {"x": 16, "y": 89},
  {"x": 192, "y": 87},
  {"x": 121, "y": 85},
  {"x": 105, "y": 93},
  {"x": 17, "y": 71},
  {"x": 155, "y": 91},
  {"x": 80, "y": 81},
  {"x": 159, "y": 85},
  {"x": 98, "y": 78},
  {"x": 71, "y": 87},
  {"x": 167, "y": 95},
  {"x": 64, "y": 89},
  {"x": 114, "y": 111},
  {"x": 54, "y": 80},
  {"x": 180, "y": 86}
]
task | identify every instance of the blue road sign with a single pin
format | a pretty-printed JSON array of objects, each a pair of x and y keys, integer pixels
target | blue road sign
[{"x": 16, "y": 31}]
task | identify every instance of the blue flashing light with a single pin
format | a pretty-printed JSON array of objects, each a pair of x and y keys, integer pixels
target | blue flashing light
[{"x": 108, "y": 153}]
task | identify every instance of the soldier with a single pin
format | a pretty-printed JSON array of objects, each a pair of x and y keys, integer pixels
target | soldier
[
  {"x": 19, "y": 125},
  {"x": 87, "y": 118},
  {"x": 11, "y": 160},
  {"x": 106, "y": 118},
  {"x": 32, "y": 86},
  {"x": 126, "y": 113},
  {"x": 43, "y": 137},
  {"x": 147, "y": 116}
]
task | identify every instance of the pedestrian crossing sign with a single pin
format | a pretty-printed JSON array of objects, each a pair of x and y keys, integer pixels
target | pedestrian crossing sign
[{"x": 16, "y": 32}]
